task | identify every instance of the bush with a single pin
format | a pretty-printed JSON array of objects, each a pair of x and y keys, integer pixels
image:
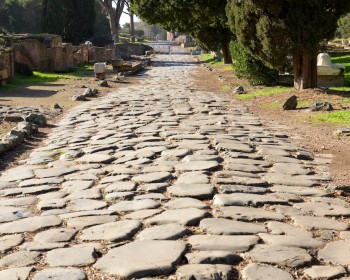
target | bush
[{"x": 254, "y": 70}]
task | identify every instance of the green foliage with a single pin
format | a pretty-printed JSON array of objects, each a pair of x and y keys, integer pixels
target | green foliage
[
  {"x": 344, "y": 60},
  {"x": 205, "y": 20},
  {"x": 74, "y": 20},
  {"x": 246, "y": 66},
  {"x": 272, "y": 30},
  {"x": 20, "y": 16},
  {"x": 343, "y": 30},
  {"x": 266, "y": 91}
]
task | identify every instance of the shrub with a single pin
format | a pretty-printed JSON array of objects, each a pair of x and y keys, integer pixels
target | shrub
[{"x": 254, "y": 70}]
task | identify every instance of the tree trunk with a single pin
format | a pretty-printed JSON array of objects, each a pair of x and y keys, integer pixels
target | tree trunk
[
  {"x": 132, "y": 27},
  {"x": 226, "y": 53},
  {"x": 305, "y": 70}
]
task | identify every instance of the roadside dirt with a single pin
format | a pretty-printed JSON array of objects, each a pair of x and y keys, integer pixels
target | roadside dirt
[{"x": 317, "y": 137}]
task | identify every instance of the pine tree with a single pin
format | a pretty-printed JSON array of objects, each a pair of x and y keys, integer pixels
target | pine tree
[{"x": 272, "y": 30}]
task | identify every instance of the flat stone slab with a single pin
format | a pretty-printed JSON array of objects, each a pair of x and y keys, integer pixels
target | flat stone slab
[
  {"x": 194, "y": 177},
  {"x": 199, "y": 191},
  {"x": 86, "y": 205},
  {"x": 163, "y": 232},
  {"x": 303, "y": 191},
  {"x": 120, "y": 187},
  {"x": 135, "y": 205},
  {"x": 219, "y": 226},
  {"x": 19, "y": 273},
  {"x": 96, "y": 158},
  {"x": 205, "y": 271},
  {"x": 256, "y": 271},
  {"x": 288, "y": 180},
  {"x": 55, "y": 235},
  {"x": 250, "y": 214},
  {"x": 280, "y": 255},
  {"x": 325, "y": 272},
  {"x": 87, "y": 221},
  {"x": 54, "y": 172},
  {"x": 60, "y": 274},
  {"x": 30, "y": 224},
  {"x": 300, "y": 241},
  {"x": 143, "y": 214},
  {"x": 284, "y": 229},
  {"x": 310, "y": 223},
  {"x": 71, "y": 256},
  {"x": 38, "y": 182},
  {"x": 213, "y": 257},
  {"x": 336, "y": 253},
  {"x": 113, "y": 232},
  {"x": 22, "y": 201},
  {"x": 20, "y": 259},
  {"x": 236, "y": 243},
  {"x": 246, "y": 199},
  {"x": 149, "y": 258},
  {"x": 185, "y": 202},
  {"x": 185, "y": 216},
  {"x": 7, "y": 242},
  {"x": 290, "y": 169},
  {"x": 323, "y": 209},
  {"x": 155, "y": 177},
  {"x": 42, "y": 247},
  {"x": 198, "y": 166}
]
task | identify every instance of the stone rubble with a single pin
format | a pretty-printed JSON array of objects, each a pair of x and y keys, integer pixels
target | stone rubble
[{"x": 163, "y": 180}]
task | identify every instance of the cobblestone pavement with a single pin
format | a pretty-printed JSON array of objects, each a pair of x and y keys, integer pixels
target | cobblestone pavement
[{"x": 160, "y": 180}]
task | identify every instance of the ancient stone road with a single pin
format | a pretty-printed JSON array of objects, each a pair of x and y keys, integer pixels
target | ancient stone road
[{"x": 160, "y": 180}]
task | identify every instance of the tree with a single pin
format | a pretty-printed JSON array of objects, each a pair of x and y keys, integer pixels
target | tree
[
  {"x": 344, "y": 27},
  {"x": 114, "y": 9},
  {"x": 272, "y": 30},
  {"x": 130, "y": 12},
  {"x": 74, "y": 20},
  {"x": 205, "y": 20}
]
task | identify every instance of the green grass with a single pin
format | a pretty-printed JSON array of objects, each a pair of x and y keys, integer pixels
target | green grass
[
  {"x": 264, "y": 92},
  {"x": 225, "y": 87},
  {"x": 343, "y": 60},
  {"x": 332, "y": 117},
  {"x": 40, "y": 77},
  {"x": 209, "y": 58}
]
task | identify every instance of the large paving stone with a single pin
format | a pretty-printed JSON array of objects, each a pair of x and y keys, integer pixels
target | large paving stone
[
  {"x": 288, "y": 180},
  {"x": 55, "y": 235},
  {"x": 323, "y": 209},
  {"x": 205, "y": 271},
  {"x": 194, "y": 177},
  {"x": 7, "y": 242},
  {"x": 71, "y": 256},
  {"x": 279, "y": 228},
  {"x": 256, "y": 271},
  {"x": 86, "y": 205},
  {"x": 155, "y": 177},
  {"x": 199, "y": 191},
  {"x": 72, "y": 186},
  {"x": 325, "y": 272},
  {"x": 18, "y": 273},
  {"x": 246, "y": 199},
  {"x": 20, "y": 259},
  {"x": 135, "y": 205},
  {"x": 300, "y": 241},
  {"x": 185, "y": 202},
  {"x": 280, "y": 255},
  {"x": 87, "y": 221},
  {"x": 22, "y": 201},
  {"x": 30, "y": 224},
  {"x": 71, "y": 215},
  {"x": 304, "y": 191},
  {"x": 42, "y": 247},
  {"x": 185, "y": 216},
  {"x": 213, "y": 257},
  {"x": 38, "y": 182},
  {"x": 54, "y": 172},
  {"x": 198, "y": 166},
  {"x": 234, "y": 243},
  {"x": 60, "y": 274},
  {"x": 310, "y": 223},
  {"x": 336, "y": 252},
  {"x": 290, "y": 169},
  {"x": 113, "y": 232},
  {"x": 163, "y": 232},
  {"x": 143, "y": 214},
  {"x": 249, "y": 214},
  {"x": 227, "y": 227},
  {"x": 149, "y": 258},
  {"x": 120, "y": 187},
  {"x": 96, "y": 158}
]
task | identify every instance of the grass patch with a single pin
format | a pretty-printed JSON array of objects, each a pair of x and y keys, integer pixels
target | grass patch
[
  {"x": 332, "y": 117},
  {"x": 209, "y": 58},
  {"x": 225, "y": 87},
  {"x": 266, "y": 91},
  {"x": 343, "y": 60}
]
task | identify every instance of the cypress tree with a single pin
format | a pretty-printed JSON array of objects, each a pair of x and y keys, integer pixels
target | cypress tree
[
  {"x": 272, "y": 30},
  {"x": 72, "y": 19}
]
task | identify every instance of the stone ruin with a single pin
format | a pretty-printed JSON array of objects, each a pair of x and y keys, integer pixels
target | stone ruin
[
  {"x": 47, "y": 53},
  {"x": 328, "y": 73},
  {"x": 7, "y": 69}
]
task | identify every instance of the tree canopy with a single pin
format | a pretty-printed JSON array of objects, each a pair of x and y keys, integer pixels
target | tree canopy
[
  {"x": 272, "y": 30},
  {"x": 74, "y": 20},
  {"x": 205, "y": 20}
]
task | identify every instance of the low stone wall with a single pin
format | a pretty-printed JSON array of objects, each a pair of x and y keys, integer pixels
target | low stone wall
[{"x": 126, "y": 50}]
